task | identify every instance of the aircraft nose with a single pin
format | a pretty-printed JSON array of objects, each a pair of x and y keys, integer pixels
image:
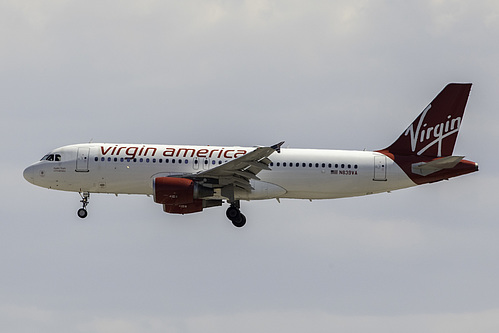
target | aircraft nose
[{"x": 29, "y": 174}]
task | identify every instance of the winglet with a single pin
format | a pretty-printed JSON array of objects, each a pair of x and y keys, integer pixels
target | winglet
[{"x": 277, "y": 146}]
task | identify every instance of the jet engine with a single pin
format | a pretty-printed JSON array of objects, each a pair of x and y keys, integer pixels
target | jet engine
[{"x": 181, "y": 195}]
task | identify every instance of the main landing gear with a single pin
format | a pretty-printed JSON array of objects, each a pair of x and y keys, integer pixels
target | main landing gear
[
  {"x": 82, "y": 212},
  {"x": 234, "y": 214}
]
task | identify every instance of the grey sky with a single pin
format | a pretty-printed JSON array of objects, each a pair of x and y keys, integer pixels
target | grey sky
[{"x": 318, "y": 74}]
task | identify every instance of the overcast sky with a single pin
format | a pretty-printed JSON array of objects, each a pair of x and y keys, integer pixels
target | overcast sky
[{"x": 317, "y": 74}]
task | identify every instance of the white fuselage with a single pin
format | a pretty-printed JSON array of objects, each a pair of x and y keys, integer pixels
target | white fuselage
[{"x": 295, "y": 173}]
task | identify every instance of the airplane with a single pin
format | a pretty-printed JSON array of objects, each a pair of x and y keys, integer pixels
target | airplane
[{"x": 187, "y": 179}]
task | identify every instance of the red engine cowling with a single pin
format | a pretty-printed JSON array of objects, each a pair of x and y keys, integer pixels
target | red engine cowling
[
  {"x": 173, "y": 191},
  {"x": 180, "y": 195}
]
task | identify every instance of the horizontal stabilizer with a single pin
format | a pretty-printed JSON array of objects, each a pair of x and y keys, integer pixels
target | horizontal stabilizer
[{"x": 427, "y": 168}]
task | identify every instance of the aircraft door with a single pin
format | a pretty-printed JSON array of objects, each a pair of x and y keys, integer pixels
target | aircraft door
[
  {"x": 380, "y": 168},
  {"x": 82, "y": 159}
]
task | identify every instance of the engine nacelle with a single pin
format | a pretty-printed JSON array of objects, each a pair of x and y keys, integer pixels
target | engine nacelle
[
  {"x": 195, "y": 206},
  {"x": 179, "y": 191}
]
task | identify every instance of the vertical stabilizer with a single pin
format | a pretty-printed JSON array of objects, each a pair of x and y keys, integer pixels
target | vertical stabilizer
[{"x": 434, "y": 132}]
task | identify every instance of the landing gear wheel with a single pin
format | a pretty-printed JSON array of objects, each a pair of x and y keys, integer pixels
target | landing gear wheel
[
  {"x": 240, "y": 221},
  {"x": 232, "y": 212},
  {"x": 82, "y": 213},
  {"x": 234, "y": 215}
]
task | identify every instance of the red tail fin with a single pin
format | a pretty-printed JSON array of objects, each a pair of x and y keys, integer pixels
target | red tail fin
[{"x": 434, "y": 132}]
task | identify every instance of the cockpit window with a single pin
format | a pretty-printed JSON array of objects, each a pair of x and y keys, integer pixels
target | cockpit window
[{"x": 51, "y": 157}]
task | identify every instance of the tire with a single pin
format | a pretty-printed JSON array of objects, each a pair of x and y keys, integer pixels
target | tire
[
  {"x": 82, "y": 213},
  {"x": 240, "y": 221},
  {"x": 232, "y": 213}
]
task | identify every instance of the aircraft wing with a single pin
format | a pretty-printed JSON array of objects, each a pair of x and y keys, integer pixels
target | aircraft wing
[{"x": 239, "y": 171}]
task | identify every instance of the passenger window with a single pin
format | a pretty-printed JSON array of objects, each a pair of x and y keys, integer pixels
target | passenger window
[
  {"x": 304, "y": 164},
  {"x": 323, "y": 165},
  {"x": 283, "y": 164}
]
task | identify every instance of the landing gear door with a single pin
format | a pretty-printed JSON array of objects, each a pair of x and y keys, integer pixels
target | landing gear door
[
  {"x": 380, "y": 168},
  {"x": 82, "y": 160}
]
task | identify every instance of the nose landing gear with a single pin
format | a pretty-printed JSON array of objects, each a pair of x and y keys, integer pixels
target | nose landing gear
[
  {"x": 234, "y": 214},
  {"x": 82, "y": 212}
]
